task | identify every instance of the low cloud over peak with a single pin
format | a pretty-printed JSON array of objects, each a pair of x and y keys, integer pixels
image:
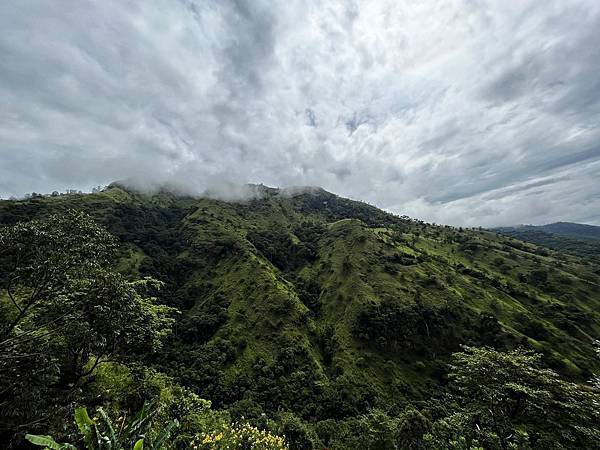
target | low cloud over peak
[{"x": 469, "y": 113}]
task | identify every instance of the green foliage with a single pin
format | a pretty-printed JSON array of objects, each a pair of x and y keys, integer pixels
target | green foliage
[
  {"x": 380, "y": 431},
  {"x": 68, "y": 312},
  {"x": 502, "y": 394},
  {"x": 43, "y": 258},
  {"x": 452, "y": 433},
  {"x": 301, "y": 309},
  {"x": 412, "y": 427},
  {"x": 48, "y": 442},
  {"x": 416, "y": 327},
  {"x": 101, "y": 433},
  {"x": 298, "y": 435},
  {"x": 572, "y": 242}
]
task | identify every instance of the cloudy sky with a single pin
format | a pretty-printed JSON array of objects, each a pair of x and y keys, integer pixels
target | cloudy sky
[{"x": 468, "y": 112}]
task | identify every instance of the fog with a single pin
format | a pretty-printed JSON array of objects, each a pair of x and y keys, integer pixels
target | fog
[{"x": 465, "y": 112}]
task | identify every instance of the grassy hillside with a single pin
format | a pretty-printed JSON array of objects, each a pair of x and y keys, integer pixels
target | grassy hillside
[
  {"x": 573, "y": 238},
  {"x": 327, "y": 307}
]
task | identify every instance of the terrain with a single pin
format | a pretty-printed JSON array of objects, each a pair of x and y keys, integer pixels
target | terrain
[
  {"x": 578, "y": 239},
  {"x": 302, "y": 301},
  {"x": 576, "y": 230}
]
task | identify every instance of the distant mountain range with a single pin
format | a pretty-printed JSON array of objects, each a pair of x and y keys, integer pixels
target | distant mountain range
[
  {"x": 575, "y": 238},
  {"x": 577, "y": 230}
]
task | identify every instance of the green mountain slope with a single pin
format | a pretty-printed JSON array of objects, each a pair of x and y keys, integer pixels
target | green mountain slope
[
  {"x": 573, "y": 238},
  {"x": 305, "y": 301},
  {"x": 576, "y": 230}
]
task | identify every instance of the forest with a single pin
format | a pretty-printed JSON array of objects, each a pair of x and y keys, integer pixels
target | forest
[{"x": 297, "y": 320}]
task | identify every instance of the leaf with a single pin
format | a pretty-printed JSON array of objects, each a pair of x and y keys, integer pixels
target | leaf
[
  {"x": 111, "y": 430},
  {"x": 142, "y": 420},
  {"x": 48, "y": 442},
  {"x": 165, "y": 434},
  {"x": 139, "y": 445},
  {"x": 82, "y": 419},
  {"x": 85, "y": 424},
  {"x": 43, "y": 441},
  {"x": 99, "y": 439}
]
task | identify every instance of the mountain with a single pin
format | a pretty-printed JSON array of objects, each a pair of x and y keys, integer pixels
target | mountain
[
  {"x": 573, "y": 238},
  {"x": 301, "y": 300},
  {"x": 577, "y": 230}
]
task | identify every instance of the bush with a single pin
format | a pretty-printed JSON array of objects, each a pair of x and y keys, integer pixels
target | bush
[
  {"x": 238, "y": 436},
  {"x": 412, "y": 426}
]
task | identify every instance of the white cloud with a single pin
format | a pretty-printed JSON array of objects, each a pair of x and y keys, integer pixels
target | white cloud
[{"x": 465, "y": 111}]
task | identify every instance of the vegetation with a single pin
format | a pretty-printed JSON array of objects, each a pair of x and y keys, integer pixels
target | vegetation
[
  {"x": 576, "y": 239},
  {"x": 66, "y": 312},
  {"x": 296, "y": 321},
  {"x": 101, "y": 433},
  {"x": 576, "y": 230},
  {"x": 509, "y": 400}
]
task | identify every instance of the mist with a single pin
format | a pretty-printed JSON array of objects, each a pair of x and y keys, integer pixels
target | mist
[{"x": 465, "y": 113}]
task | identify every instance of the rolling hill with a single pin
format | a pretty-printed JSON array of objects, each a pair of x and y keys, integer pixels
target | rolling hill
[
  {"x": 573, "y": 238},
  {"x": 576, "y": 230},
  {"x": 300, "y": 300}
]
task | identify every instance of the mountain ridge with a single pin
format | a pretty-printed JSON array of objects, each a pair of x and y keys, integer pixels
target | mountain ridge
[
  {"x": 571, "y": 229},
  {"x": 576, "y": 239},
  {"x": 327, "y": 306}
]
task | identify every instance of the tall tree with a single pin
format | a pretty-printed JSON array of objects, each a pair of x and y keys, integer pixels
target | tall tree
[
  {"x": 504, "y": 393},
  {"x": 64, "y": 312}
]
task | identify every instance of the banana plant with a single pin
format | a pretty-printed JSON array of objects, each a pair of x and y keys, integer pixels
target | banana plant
[{"x": 100, "y": 433}]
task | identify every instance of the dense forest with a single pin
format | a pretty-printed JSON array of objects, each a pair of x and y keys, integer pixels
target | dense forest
[{"x": 295, "y": 319}]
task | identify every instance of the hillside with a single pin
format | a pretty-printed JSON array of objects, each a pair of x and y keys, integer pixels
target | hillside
[
  {"x": 307, "y": 302},
  {"x": 577, "y": 239},
  {"x": 577, "y": 230}
]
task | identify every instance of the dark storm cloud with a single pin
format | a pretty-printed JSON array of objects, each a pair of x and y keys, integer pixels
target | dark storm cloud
[{"x": 460, "y": 112}]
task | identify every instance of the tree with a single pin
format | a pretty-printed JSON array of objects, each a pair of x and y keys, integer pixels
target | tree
[
  {"x": 41, "y": 259},
  {"x": 378, "y": 430},
  {"x": 412, "y": 426},
  {"x": 65, "y": 312},
  {"x": 504, "y": 394},
  {"x": 109, "y": 319}
]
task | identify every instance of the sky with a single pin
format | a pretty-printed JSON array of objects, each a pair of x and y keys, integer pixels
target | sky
[{"x": 463, "y": 112}]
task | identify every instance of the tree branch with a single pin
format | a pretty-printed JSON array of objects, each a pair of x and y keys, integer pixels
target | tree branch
[
  {"x": 88, "y": 372},
  {"x": 10, "y": 293}
]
